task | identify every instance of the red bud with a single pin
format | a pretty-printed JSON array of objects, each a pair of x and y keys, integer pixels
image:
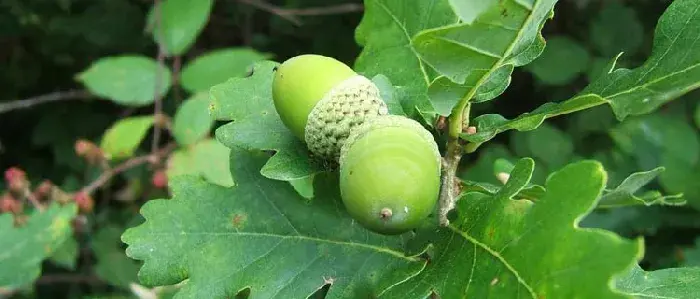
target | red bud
[
  {"x": 16, "y": 179},
  {"x": 160, "y": 179},
  {"x": 9, "y": 204},
  {"x": 84, "y": 201}
]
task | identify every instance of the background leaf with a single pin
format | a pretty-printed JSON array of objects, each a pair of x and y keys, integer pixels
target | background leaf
[
  {"x": 192, "y": 121},
  {"x": 668, "y": 141},
  {"x": 66, "y": 255},
  {"x": 113, "y": 266},
  {"x": 691, "y": 256},
  {"x": 616, "y": 29},
  {"x": 126, "y": 80},
  {"x": 124, "y": 136},
  {"x": 25, "y": 247},
  {"x": 561, "y": 62},
  {"x": 670, "y": 72},
  {"x": 252, "y": 235},
  {"x": 208, "y": 159},
  {"x": 218, "y": 66},
  {"x": 181, "y": 22}
]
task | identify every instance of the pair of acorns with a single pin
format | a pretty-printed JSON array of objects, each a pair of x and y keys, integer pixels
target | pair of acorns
[{"x": 389, "y": 164}]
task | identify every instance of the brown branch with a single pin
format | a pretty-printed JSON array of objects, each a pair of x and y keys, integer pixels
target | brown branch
[
  {"x": 292, "y": 14},
  {"x": 450, "y": 191},
  {"x": 177, "y": 67},
  {"x": 157, "y": 99},
  {"x": 327, "y": 10},
  {"x": 33, "y": 200},
  {"x": 51, "y": 97},
  {"x": 68, "y": 278},
  {"x": 129, "y": 164},
  {"x": 273, "y": 10}
]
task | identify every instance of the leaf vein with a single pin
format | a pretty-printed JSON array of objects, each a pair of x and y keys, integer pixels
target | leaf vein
[
  {"x": 498, "y": 257},
  {"x": 303, "y": 238},
  {"x": 408, "y": 38}
]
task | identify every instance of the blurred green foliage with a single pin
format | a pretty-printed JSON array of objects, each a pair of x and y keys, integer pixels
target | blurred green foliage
[{"x": 45, "y": 45}]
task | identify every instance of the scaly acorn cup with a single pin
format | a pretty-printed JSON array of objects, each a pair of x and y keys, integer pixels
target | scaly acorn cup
[
  {"x": 390, "y": 174},
  {"x": 320, "y": 100}
]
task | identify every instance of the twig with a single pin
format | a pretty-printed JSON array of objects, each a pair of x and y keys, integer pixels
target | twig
[
  {"x": 157, "y": 99},
  {"x": 51, "y": 97},
  {"x": 247, "y": 28},
  {"x": 129, "y": 164},
  {"x": 273, "y": 10},
  {"x": 450, "y": 183},
  {"x": 292, "y": 14},
  {"x": 33, "y": 200},
  {"x": 68, "y": 278},
  {"x": 327, "y": 10},
  {"x": 177, "y": 66}
]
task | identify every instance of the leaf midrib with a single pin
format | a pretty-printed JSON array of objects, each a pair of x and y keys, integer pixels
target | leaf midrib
[{"x": 384, "y": 250}]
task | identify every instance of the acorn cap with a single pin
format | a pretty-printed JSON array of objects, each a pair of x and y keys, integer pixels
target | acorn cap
[{"x": 344, "y": 108}]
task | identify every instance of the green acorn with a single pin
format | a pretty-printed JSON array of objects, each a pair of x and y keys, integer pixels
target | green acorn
[
  {"x": 321, "y": 100},
  {"x": 390, "y": 174}
]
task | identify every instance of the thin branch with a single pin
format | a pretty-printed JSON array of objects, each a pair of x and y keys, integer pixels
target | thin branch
[
  {"x": 47, "y": 98},
  {"x": 327, "y": 10},
  {"x": 129, "y": 164},
  {"x": 450, "y": 190},
  {"x": 273, "y": 10},
  {"x": 450, "y": 184},
  {"x": 292, "y": 14},
  {"x": 68, "y": 278},
  {"x": 157, "y": 99},
  {"x": 177, "y": 68},
  {"x": 33, "y": 200}
]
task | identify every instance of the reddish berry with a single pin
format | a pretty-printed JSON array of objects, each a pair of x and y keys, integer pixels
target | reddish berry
[
  {"x": 43, "y": 190},
  {"x": 159, "y": 179},
  {"x": 88, "y": 150},
  {"x": 10, "y": 205},
  {"x": 83, "y": 147},
  {"x": 16, "y": 179},
  {"x": 84, "y": 201}
]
